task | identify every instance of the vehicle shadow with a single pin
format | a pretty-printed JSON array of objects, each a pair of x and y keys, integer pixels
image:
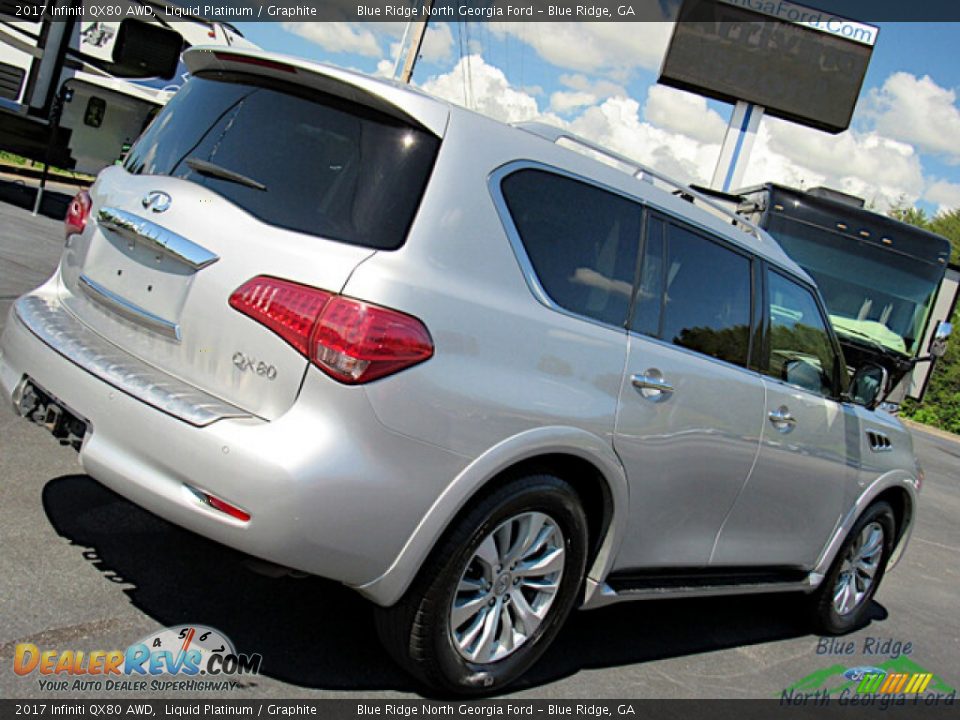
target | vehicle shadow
[
  {"x": 316, "y": 633},
  {"x": 17, "y": 192}
]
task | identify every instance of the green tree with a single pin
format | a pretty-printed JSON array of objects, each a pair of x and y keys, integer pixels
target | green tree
[{"x": 941, "y": 404}]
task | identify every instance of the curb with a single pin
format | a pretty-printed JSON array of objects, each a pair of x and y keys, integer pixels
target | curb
[{"x": 930, "y": 430}]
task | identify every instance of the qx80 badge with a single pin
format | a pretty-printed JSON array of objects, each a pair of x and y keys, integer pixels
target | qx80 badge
[{"x": 246, "y": 363}]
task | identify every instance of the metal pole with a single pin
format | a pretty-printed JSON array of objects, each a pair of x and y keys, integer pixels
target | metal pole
[
  {"x": 416, "y": 43},
  {"x": 737, "y": 145},
  {"x": 56, "y": 109}
]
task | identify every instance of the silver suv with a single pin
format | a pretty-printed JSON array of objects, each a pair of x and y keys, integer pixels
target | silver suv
[{"x": 472, "y": 373}]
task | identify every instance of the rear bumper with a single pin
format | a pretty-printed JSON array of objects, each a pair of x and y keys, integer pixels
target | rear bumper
[{"x": 329, "y": 489}]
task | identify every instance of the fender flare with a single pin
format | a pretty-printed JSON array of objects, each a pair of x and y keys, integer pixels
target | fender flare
[
  {"x": 893, "y": 479},
  {"x": 390, "y": 586}
]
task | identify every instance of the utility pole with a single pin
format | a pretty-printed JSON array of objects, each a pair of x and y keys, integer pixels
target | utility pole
[{"x": 416, "y": 42}]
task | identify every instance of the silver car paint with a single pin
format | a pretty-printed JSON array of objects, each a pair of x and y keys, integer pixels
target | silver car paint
[{"x": 357, "y": 483}]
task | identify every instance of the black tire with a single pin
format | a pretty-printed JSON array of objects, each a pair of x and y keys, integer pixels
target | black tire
[
  {"x": 826, "y": 617},
  {"x": 416, "y": 630}
]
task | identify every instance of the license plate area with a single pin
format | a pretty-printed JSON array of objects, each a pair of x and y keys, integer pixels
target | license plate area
[{"x": 37, "y": 405}]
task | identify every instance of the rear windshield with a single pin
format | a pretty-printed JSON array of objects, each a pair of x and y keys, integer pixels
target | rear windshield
[{"x": 306, "y": 162}]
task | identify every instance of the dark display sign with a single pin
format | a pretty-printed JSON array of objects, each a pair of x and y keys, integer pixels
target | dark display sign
[{"x": 800, "y": 64}]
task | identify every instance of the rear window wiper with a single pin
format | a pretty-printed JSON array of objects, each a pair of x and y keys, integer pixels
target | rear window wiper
[{"x": 212, "y": 170}]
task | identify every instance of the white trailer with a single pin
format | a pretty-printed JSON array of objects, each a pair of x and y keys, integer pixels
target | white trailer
[{"x": 79, "y": 91}]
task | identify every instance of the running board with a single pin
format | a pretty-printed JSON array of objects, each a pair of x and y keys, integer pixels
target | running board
[{"x": 694, "y": 583}]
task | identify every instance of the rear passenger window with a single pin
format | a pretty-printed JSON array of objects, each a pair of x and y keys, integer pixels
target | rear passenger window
[
  {"x": 581, "y": 240},
  {"x": 706, "y": 302}
]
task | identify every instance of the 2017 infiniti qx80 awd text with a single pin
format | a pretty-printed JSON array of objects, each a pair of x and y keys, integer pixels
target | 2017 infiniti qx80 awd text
[{"x": 468, "y": 371}]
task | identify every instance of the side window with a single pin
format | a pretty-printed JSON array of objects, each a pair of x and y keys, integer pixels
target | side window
[
  {"x": 706, "y": 297},
  {"x": 581, "y": 240},
  {"x": 646, "y": 315},
  {"x": 800, "y": 349}
]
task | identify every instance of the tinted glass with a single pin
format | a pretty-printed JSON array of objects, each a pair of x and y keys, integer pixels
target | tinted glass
[
  {"x": 646, "y": 316},
  {"x": 871, "y": 293},
  {"x": 800, "y": 349},
  {"x": 318, "y": 164},
  {"x": 707, "y": 299},
  {"x": 581, "y": 241}
]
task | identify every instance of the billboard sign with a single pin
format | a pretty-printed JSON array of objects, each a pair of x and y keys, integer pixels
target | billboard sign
[{"x": 798, "y": 63}]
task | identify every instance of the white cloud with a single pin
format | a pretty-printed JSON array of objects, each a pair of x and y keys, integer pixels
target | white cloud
[
  {"x": 484, "y": 88},
  {"x": 918, "y": 111},
  {"x": 684, "y": 113},
  {"x": 679, "y": 135},
  {"x": 338, "y": 37},
  {"x": 945, "y": 195},
  {"x": 869, "y": 165},
  {"x": 613, "y": 48},
  {"x": 565, "y": 101}
]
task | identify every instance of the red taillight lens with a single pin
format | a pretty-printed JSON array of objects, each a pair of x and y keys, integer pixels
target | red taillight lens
[
  {"x": 357, "y": 342},
  {"x": 77, "y": 213},
  {"x": 350, "y": 340},
  {"x": 287, "y": 308}
]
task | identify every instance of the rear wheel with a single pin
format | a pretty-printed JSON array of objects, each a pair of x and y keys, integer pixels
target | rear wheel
[
  {"x": 495, "y": 592},
  {"x": 842, "y": 601}
]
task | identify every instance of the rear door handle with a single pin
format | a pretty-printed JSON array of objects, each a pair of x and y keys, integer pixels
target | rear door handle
[
  {"x": 782, "y": 420},
  {"x": 652, "y": 386}
]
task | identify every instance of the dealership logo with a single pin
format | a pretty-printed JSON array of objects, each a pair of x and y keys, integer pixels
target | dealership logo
[
  {"x": 181, "y": 651},
  {"x": 899, "y": 680}
]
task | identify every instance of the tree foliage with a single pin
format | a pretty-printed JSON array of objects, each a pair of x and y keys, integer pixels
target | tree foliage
[{"x": 941, "y": 404}]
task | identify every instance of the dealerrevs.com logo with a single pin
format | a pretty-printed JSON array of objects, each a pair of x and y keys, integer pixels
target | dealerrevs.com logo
[{"x": 180, "y": 658}]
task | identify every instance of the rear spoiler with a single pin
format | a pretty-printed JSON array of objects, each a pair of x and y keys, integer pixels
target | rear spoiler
[{"x": 393, "y": 99}]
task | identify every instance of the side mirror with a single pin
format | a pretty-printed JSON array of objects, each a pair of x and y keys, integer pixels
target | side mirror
[
  {"x": 868, "y": 385},
  {"x": 938, "y": 344},
  {"x": 145, "y": 50}
]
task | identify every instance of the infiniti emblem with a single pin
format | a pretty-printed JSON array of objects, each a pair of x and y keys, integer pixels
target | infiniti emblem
[{"x": 156, "y": 201}]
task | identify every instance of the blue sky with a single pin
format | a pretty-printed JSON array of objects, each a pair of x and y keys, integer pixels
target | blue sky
[{"x": 599, "y": 79}]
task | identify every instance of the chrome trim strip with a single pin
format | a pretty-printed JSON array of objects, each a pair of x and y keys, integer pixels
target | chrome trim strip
[
  {"x": 125, "y": 308},
  {"x": 133, "y": 227},
  {"x": 53, "y": 325},
  {"x": 601, "y": 594}
]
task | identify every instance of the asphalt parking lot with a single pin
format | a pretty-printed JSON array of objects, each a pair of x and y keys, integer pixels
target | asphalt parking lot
[{"x": 83, "y": 569}]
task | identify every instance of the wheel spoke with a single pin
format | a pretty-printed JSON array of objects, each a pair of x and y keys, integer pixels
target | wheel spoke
[
  {"x": 487, "y": 553},
  {"x": 526, "y": 616},
  {"x": 550, "y": 562},
  {"x": 471, "y": 634},
  {"x": 463, "y": 612},
  {"x": 485, "y": 646}
]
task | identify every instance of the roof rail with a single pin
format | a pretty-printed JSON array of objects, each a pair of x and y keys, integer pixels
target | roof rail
[{"x": 641, "y": 172}]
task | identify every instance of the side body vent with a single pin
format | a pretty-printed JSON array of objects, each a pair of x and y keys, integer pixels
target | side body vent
[{"x": 878, "y": 441}]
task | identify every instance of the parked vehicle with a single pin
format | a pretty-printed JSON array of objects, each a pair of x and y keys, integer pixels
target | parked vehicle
[
  {"x": 77, "y": 92},
  {"x": 456, "y": 365},
  {"x": 888, "y": 285}
]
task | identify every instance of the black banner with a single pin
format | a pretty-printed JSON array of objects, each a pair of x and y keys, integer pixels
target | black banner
[
  {"x": 234, "y": 11},
  {"x": 814, "y": 706}
]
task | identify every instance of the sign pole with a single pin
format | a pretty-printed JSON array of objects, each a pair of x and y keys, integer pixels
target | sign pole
[{"x": 737, "y": 145}]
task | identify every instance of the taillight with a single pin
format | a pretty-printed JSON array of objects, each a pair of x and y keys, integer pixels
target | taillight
[
  {"x": 352, "y": 341},
  {"x": 356, "y": 342},
  {"x": 77, "y": 213},
  {"x": 287, "y": 308}
]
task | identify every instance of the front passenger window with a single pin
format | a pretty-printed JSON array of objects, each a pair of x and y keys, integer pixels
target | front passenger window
[{"x": 801, "y": 353}]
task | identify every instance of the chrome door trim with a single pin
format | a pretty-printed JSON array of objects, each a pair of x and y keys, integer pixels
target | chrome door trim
[
  {"x": 126, "y": 309},
  {"x": 158, "y": 238}
]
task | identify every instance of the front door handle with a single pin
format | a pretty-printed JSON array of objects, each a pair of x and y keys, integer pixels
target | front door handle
[
  {"x": 652, "y": 386},
  {"x": 782, "y": 420}
]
